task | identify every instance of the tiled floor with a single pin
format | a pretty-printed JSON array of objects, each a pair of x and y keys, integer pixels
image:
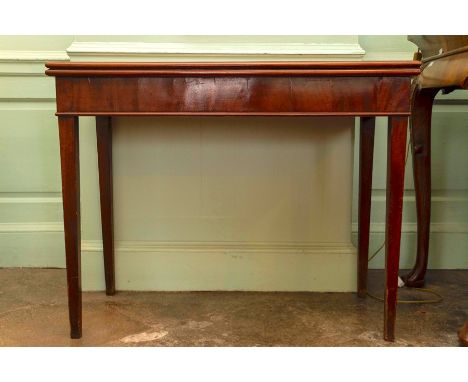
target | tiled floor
[{"x": 33, "y": 312}]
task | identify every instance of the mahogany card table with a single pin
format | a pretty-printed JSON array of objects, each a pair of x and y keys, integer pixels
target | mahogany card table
[{"x": 109, "y": 90}]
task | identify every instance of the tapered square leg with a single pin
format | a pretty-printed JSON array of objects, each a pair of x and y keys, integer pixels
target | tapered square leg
[
  {"x": 396, "y": 151},
  {"x": 366, "y": 157},
  {"x": 104, "y": 149},
  {"x": 69, "y": 154}
]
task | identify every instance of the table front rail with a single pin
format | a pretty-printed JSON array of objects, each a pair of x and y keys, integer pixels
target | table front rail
[{"x": 233, "y": 96}]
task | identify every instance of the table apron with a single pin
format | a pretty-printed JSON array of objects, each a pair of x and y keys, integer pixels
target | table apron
[{"x": 233, "y": 95}]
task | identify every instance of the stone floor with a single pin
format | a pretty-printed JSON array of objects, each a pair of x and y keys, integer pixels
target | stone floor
[{"x": 33, "y": 312}]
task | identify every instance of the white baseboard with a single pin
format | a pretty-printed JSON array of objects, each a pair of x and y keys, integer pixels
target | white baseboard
[
  {"x": 224, "y": 266},
  {"x": 177, "y": 266}
]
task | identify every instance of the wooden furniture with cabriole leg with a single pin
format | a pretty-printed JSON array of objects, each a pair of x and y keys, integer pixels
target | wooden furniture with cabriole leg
[
  {"x": 444, "y": 67},
  {"x": 106, "y": 90}
]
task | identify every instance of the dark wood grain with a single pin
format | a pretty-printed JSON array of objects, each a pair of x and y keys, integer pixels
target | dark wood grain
[
  {"x": 234, "y": 96},
  {"x": 236, "y": 69},
  {"x": 69, "y": 154},
  {"x": 105, "y": 90},
  {"x": 421, "y": 150},
  {"x": 395, "y": 182},
  {"x": 366, "y": 157},
  {"x": 104, "y": 149}
]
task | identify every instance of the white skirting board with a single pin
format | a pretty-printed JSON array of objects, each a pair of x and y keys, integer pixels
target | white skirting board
[
  {"x": 202, "y": 266},
  {"x": 228, "y": 267}
]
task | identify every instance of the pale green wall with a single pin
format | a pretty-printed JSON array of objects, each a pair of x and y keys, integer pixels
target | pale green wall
[{"x": 30, "y": 206}]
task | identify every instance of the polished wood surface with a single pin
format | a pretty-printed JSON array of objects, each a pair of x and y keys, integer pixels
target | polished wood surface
[
  {"x": 366, "y": 158},
  {"x": 70, "y": 165},
  {"x": 236, "y": 69},
  {"x": 233, "y": 96},
  {"x": 104, "y": 149},
  {"x": 396, "y": 151},
  {"x": 318, "y": 88},
  {"x": 106, "y": 90},
  {"x": 421, "y": 153},
  {"x": 233, "y": 89}
]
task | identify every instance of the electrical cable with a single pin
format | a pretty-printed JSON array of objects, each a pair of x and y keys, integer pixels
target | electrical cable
[{"x": 438, "y": 298}]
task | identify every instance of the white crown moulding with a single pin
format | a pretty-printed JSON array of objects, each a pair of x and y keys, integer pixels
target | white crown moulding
[
  {"x": 174, "y": 51},
  {"x": 229, "y": 50}
]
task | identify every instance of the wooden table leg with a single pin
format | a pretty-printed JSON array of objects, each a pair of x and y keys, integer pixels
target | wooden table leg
[
  {"x": 396, "y": 151},
  {"x": 104, "y": 149},
  {"x": 421, "y": 149},
  {"x": 366, "y": 157},
  {"x": 69, "y": 154}
]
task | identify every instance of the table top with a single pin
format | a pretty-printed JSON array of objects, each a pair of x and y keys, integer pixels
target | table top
[
  {"x": 233, "y": 88},
  {"x": 265, "y": 68}
]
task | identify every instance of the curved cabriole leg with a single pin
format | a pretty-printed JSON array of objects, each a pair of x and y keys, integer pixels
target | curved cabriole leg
[
  {"x": 396, "y": 149},
  {"x": 421, "y": 150},
  {"x": 366, "y": 155},
  {"x": 69, "y": 155},
  {"x": 104, "y": 149}
]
